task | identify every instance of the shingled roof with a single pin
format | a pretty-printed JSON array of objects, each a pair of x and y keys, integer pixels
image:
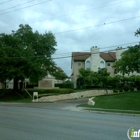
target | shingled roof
[
  {"x": 80, "y": 55},
  {"x": 109, "y": 56}
]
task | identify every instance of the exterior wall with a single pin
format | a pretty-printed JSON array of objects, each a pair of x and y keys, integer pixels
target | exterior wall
[
  {"x": 119, "y": 51},
  {"x": 110, "y": 69},
  {"x": 75, "y": 70},
  {"x": 95, "y": 59}
]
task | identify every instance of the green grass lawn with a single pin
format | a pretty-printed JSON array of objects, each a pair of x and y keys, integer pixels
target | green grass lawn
[
  {"x": 121, "y": 101},
  {"x": 18, "y": 100}
]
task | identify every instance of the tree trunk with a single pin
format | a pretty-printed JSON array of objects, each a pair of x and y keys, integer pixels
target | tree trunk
[
  {"x": 15, "y": 87},
  {"x": 21, "y": 85}
]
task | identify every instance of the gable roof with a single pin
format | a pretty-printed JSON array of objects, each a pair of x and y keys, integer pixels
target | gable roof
[
  {"x": 109, "y": 56},
  {"x": 80, "y": 55}
]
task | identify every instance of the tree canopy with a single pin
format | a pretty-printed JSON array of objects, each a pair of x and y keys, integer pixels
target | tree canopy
[
  {"x": 130, "y": 59},
  {"x": 26, "y": 54},
  {"x": 91, "y": 78},
  {"x": 137, "y": 33},
  {"x": 60, "y": 75}
]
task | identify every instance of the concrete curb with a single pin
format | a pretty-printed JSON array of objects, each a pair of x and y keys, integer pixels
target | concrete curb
[{"x": 112, "y": 113}]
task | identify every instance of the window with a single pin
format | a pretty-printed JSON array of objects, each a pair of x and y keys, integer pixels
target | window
[
  {"x": 102, "y": 65},
  {"x": 87, "y": 65},
  {"x": 79, "y": 64},
  {"x": 108, "y": 64}
]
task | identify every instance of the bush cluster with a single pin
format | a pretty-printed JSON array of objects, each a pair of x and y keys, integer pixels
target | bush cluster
[
  {"x": 51, "y": 91},
  {"x": 65, "y": 85}
]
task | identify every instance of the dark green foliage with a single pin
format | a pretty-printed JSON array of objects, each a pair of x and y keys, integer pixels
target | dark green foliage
[
  {"x": 60, "y": 75},
  {"x": 65, "y": 85},
  {"x": 130, "y": 59},
  {"x": 8, "y": 94},
  {"x": 126, "y": 88},
  {"x": 131, "y": 88},
  {"x": 26, "y": 54},
  {"x": 51, "y": 91},
  {"x": 137, "y": 33},
  {"x": 138, "y": 87},
  {"x": 90, "y": 78}
]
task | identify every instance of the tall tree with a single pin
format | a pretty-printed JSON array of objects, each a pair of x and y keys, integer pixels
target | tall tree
[
  {"x": 26, "y": 54},
  {"x": 60, "y": 75},
  {"x": 137, "y": 33},
  {"x": 129, "y": 62},
  {"x": 130, "y": 59}
]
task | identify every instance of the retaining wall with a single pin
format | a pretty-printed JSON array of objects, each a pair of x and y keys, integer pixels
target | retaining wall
[{"x": 76, "y": 95}]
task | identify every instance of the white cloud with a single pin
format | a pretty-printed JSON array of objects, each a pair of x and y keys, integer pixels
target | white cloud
[{"x": 61, "y": 16}]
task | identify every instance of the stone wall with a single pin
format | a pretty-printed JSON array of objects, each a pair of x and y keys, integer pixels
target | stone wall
[{"x": 70, "y": 96}]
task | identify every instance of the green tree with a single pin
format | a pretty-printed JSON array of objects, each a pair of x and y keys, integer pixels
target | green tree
[
  {"x": 60, "y": 75},
  {"x": 129, "y": 62},
  {"x": 85, "y": 77},
  {"x": 92, "y": 78},
  {"x": 26, "y": 54},
  {"x": 130, "y": 59},
  {"x": 103, "y": 75},
  {"x": 137, "y": 33}
]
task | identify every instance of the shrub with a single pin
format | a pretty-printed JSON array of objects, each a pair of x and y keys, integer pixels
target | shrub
[
  {"x": 138, "y": 88},
  {"x": 115, "y": 91},
  {"x": 126, "y": 88},
  {"x": 131, "y": 88},
  {"x": 51, "y": 91},
  {"x": 65, "y": 85},
  {"x": 5, "y": 92}
]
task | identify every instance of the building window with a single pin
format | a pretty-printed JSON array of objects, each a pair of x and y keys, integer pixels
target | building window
[
  {"x": 108, "y": 64},
  {"x": 87, "y": 65},
  {"x": 102, "y": 64},
  {"x": 79, "y": 64}
]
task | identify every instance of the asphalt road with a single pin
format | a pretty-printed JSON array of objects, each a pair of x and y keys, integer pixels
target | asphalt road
[{"x": 60, "y": 121}]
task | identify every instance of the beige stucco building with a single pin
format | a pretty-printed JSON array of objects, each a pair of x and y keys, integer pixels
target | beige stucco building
[{"x": 93, "y": 60}]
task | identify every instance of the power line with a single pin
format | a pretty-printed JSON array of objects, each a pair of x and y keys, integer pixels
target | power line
[
  {"x": 89, "y": 9},
  {"x": 103, "y": 24},
  {"x": 25, "y": 7},
  {"x": 84, "y": 11},
  {"x": 76, "y": 13},
  {"x": 5, "y": 2},
  {"x": 103, "y": 47},
  {"x": 16, "y": 5},
  {"x": 86, "y": 54},
  {"x": 76, "y": 55}
]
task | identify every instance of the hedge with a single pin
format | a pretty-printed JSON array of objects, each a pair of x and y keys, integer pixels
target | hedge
[
  {"x": 8, "y": 93},
  {"x": 51, "y": 91},
  {"x": 65, "y": 85}
]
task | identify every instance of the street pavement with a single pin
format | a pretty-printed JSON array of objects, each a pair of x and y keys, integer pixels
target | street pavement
[{"x": 61, "y": 121}]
